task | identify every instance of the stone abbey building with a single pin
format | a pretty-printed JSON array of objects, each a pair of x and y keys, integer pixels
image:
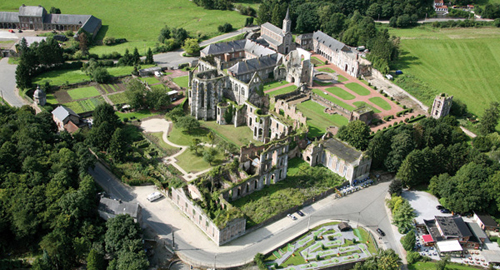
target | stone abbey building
[{"x": 37, "y": 18}]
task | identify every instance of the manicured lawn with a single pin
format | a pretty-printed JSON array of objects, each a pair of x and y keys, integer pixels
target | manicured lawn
[
  {"x": 341, "y": 78},
  {"x": 239, "y": 136},
  {"x": 121, "y": 71},
  {"x": 341, "y": 93},
  {"x": 317, "y": 120},
  {"x": 85, "y": 105},
  {"x": 284, "y": 90},
  {"x": 193, "y": 163},
  {"x": 327, "y": 69},
  {"x": 181, "y": 81},
  {"x": 118, "y": 98},
  {"x": 83, "y": 92},
  {"x": 358, "y": 89},
  {"x": 469, "y": 56},
  {"x": 322, "y": 83},
  {"x": 59, "y": 77},
  {"x": 380, "y": 102},
  {"x": 178, "y": 136},
  {"x": 140, "y": 22},
  {"x": 362, "y": 103},
  {"x": 137, "y": 114},
  {"x": 150, "y": 80},
  {"x": 51, "y": 99},
  {"x": 272, "y": 85},
  {"x": 317, "y": 62},
  {"x": 334, "y": 100}
]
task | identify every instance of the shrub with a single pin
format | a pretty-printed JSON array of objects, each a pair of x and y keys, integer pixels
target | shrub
[
  {"x": 384, "y": 128},
  {"x": 375, "y": 87},
  {"x": 125, "y": 120},
  {"x": 413, "y": 257},
  {"x": 385, "y": 95},
  {"x": 404, "y": 106},
  {"x": 369, "y": 84},
  {"x": 412, "y": 117},
  {"x": 392, "y": 99},
  {"x": 381, "y": 91},
  {"x": 225, "y": 28},
  {"x": 406, "y": 120},
  {"x": 109, "y": 41}
]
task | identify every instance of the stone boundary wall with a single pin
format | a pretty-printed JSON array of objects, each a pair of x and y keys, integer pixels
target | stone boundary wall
[
  {"x": 325, "y": 102},
  {"x": 290, "y": 111}
]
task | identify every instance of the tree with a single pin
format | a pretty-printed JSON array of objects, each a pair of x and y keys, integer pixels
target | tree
[
  {"x": 149, "y": 57},
  {"x": 403, "y": 216},
  {"x": 121, "y": 230},
  {"x": 135, "y": 94},
  {"x": 175, "y": 113},
  {"x": 396, "y": 187},
  {"x": 187, "y": 123},
  {"x": 308, "y": 19},
  {"x": 401, "y": 145},
  {"x": 101, "y": 75},
  {"x": 416, "y": 168},
  {"x": 83, "y": 42},
  {"x": 136, "y": 57},
  {"x": 95, "y": 260},
  {"x": 259, "y": 260},
  {"x": 105, "y": 113},
  {"x": 128, "y": 260},
  {"x": 441, "y": 264},
  {"x": 164, "y": 34},
  {"x": 413, "y": 257},
  {"x": 225, "y": 28},
  {"x": 195, "y": 145},
  {"x": 408, "y": 241},
  {"x": 54, "y": 10},
  {"x": 158, "y": 97},
  {"x": 118, "y": 145},
  {"x": 191, "y": 46},
  {"x": 356, "y": 133},
  {"x": 490, "y": 119},
  {"x": 209, "y": 155},
  {"x": 374, "y": 11},
  {"x": 179, "y": 34}
]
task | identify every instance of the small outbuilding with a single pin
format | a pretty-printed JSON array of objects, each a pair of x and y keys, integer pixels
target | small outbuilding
[
  {"x": 344, "y": 226},
  {"x": 66, "y": 119},
  {"x": 451, "y": 247},
  {"x": 486, "y": 222},
  {"x": 109, "y": 208}
]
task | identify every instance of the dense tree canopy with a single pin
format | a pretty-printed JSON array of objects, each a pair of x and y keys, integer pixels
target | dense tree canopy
[{"x": 356, "y": 133}]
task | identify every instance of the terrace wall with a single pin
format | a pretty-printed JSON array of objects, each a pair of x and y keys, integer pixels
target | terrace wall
[{"x": 325, "y": 102}]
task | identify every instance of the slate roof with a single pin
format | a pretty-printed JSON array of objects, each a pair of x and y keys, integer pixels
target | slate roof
[
  {"x": 62, "y": 113},
  {"x": 225, "y": 47},
  {"x": 65, "y": 19},
  {"x": 273, "y": 28},
  {"x": 257, "y": 49},
  {"x": 487, "y": 220},
  {"x": 9, "y": 17},
  {"x": 252, "y": 65},
  {"x": 453, "y": 226},
  {"x": 271, "y": 40},
  {"x": 476, "y": 231},
  {"x": 91, "y": 24},
  {"x": 109, "y": 208},
  {"x": 31, "y": 11},
  {"x": 329, "y": 41},
  {"x": 342, "y": 150}
]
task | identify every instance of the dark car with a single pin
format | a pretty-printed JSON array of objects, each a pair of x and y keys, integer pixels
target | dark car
[
  {"x": 439, "y": 207},
  {"x": 382, "y": 233},
  {"x": 445, "y": 211},
  {"x": 60, "y": 37},
  {"x": 300, "y": 213}
]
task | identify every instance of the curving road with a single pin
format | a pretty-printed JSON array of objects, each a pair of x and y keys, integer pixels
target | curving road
[
  {"x": 366, "y": 207},
  {"x": 8, "y": 83}
]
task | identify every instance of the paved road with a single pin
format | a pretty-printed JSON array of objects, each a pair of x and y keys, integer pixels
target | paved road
[
  {"x": 8, "y": 83},
  {"x": 366, "y": 207},
  {"x": 440, "y": 20},
  {"x": 173, "y": 59}
]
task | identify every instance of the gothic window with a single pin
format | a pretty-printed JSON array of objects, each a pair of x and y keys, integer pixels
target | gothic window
[{"x": 202, "y": 97}]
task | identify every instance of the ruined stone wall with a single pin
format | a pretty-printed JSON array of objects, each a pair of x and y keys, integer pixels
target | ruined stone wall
[
  {"x": 325, "y": 102},
  {"x": 290, "y": 111}
]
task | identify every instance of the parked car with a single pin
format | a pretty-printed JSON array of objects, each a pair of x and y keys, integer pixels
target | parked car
[
  {"x": 439, "y": 207},
  {"x": 11, "y": 31},
  {"x": 379, "y": 231},
  {"x": 19, "y": 31},
  {"x": 154, "y": 196},
  {"x": 445, "y": 211},
  {"x": 291, "y": 216},
  {"x": 300, "y": 213},
  {"x": 389, "y": 77}
]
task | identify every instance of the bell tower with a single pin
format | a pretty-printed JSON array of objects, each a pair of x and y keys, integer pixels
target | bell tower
[{"x": 287, "y": 23}]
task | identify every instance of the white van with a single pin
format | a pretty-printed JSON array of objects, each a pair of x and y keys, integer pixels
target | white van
[{"x": 154, "y": 196}]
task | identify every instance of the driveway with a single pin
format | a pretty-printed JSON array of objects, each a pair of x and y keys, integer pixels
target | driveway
[
  {"x": 366, "y": 207},
  {"x": 8, "y": 83}
]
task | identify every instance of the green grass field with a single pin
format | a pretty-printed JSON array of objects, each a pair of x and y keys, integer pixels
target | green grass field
[
  {"x": 85, "y": 105},
  {"x": 358, "y": 89},
  {"x": 59, "y": 77},
  {"x": 432, "y": 265},
  {"x": 362, "y": 103},
  {"x": 239, "y": 136},
  {"x": 317, "y": 62},
  {"x": 140, "y": 22},
  {"x": 83, "y": 92},
  {"x": 380, "y": 102},
  {"x": 150, "y": 80},
  {"x": 284, "y": 90},
  {"x": 118, "y": 98},
  {"x": 341, "y": 93},
  {"x": 463, "y": 62},
  {"x": 341, "y": 78},
  {"x": 137, "y": 114},
  {"x": 327, "y": 69},
  {"x": 193, "y": 163},
  {"x": 334, "y": 100},
  {"x": 181, "y": 81},
  {"x": 179, "y": 137},
  {"x": 272, "y": 85},
  {"x": 317, "y": 120}
]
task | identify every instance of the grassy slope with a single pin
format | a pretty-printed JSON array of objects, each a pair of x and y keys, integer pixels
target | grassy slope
[
  {"x": 464, "y": 63},
  {"x": 284, "y": 90},
  {"x": 381, "y": 103},
  {"x": 341, "y": 93},
  {"x": 181, "y": 81},
  {"x": 334, "y": 100},
  {"x": 239, "y": 136},
  {"x": 83, "y": 92},
  {"x": 358, "y": 89}
]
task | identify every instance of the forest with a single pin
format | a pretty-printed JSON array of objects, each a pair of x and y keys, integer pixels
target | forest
[{"x": 48, "y": 201}]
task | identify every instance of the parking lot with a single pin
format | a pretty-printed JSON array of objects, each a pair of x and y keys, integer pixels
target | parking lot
[{"x": 424, "y": 205}]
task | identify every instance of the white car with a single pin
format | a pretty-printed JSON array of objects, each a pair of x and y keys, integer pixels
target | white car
[
  {"x": 154, "y": 196},
  {"x": 157, "y": 74},
  {"x": 291, "y": 216}
]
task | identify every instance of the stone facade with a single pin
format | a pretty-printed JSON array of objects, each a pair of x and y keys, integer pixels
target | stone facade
[
  {"x": 297, "y": 68},
  {"x": 441, "y": 106},
  {"x": 220, "y": 236},
  {"x": 336, "y": 52},
  {"x": 280, "y": 40},
  {"x": 340, "y": 158},
  {"x": 37, "y": 18}
]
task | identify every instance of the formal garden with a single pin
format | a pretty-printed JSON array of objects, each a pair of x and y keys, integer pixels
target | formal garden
[{"x": 323, "y": 246}]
